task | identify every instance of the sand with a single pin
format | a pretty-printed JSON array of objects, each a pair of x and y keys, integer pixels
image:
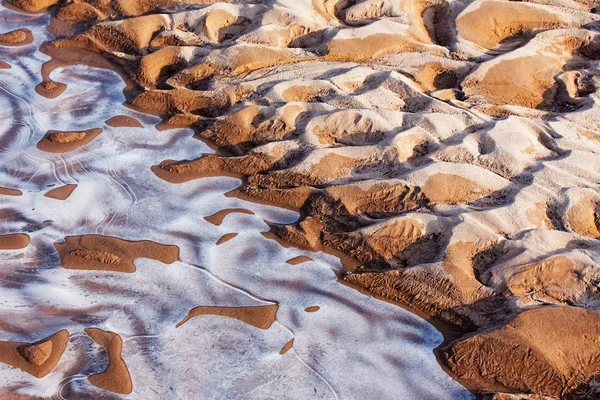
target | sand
[
  {"x": 218, "y": 217},
  {"x": 298, "y": 260},
  {"x": 37, "y": 359},
  {"x": 61, "y": 193},
  {"x": 123, "y": 121},
  {"x": 19, "y": 37},
  {"x": 10, "y": 192},
  {"x": 97, "y": 252},
  {"x": 446, "y": 151},
  {"x": 261, "y": 317},
  {"x": 287, "y": 347},
  {"x": 14, "y": 241},
  {"x": 226, "y": 237},
  {"x": 61, "y": 141},
  {"x": 116, "y": 377}
]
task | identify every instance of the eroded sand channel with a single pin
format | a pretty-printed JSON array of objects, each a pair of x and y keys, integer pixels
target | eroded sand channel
[{"x": 353, "y": 347}]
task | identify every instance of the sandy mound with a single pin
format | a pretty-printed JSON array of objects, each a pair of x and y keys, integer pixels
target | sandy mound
[
  {"x": 61, "y": 142},
  {"x": 38, "y": 358},
  {"x": 261, "y": 317},
  {"x": 19, "y": 37},
  {"x": 550, "y": 351},
  {"x": 116, "y": 377},
  {"x": 61, "y": 193},
  {"x": 96, "y": 252}
]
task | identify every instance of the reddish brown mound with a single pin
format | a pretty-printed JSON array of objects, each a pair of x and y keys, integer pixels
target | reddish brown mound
[
  {"x": 549, "y": 351},
  {"x": 61, "y": 193},
  {"x": 116, "y": 377},
  {"x": 123, "y": 121},
  {"x": 218, "y": 217},
  {"x": 19, "y": 37},
  {"x": 312, "y": 309},
  {"x": 38, "y": 358},
  {"x": 10, "y": 192},
  {"x": 97, "y": 252},
  {"x": 50, "y": 89},
  {"x": 5, "y": 65},
  {"x": 14, "y": 241},
  {"x": 261, "y": 317},
  {"x": 61, "y": 142}
]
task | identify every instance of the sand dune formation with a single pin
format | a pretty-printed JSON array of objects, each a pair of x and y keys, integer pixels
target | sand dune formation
[{"x": 448, "y": 149}]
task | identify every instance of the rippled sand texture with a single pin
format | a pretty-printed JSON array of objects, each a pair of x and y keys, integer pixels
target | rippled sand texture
[{"x": 79, "y": 219}]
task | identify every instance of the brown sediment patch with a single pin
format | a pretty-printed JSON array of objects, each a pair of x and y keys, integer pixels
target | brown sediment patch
[
  {"x": 61, "y": 193},
  {"x": 50, "y": 89},
  {"x": 106, "y": 253},
  {"x": 64, "y": 56},
  {"x": 218, "y": 217},
  {"x": 61, "y": 142},
  {"x": 548, "y": 351},
  {"x": 14, "y": 241},
  {"x": 261, "y": 317},
  {"x": 10, "y": 192},
  {"x": 38, "y": 358},
  {"x": 182, "y": 171},
  {"x": 214, "y": 165},
  {"x": 19, "y": 37},
  {"x": 298, "y": 260},
  {"x": 123, "y": 121},
  {"x": 312, "y": 309},
  {"x": 286, "y": 347},
  {"x": 4, "y": 65},
  {"x": 226, "y": 237},
  {"x": 116, "y": 377}
]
